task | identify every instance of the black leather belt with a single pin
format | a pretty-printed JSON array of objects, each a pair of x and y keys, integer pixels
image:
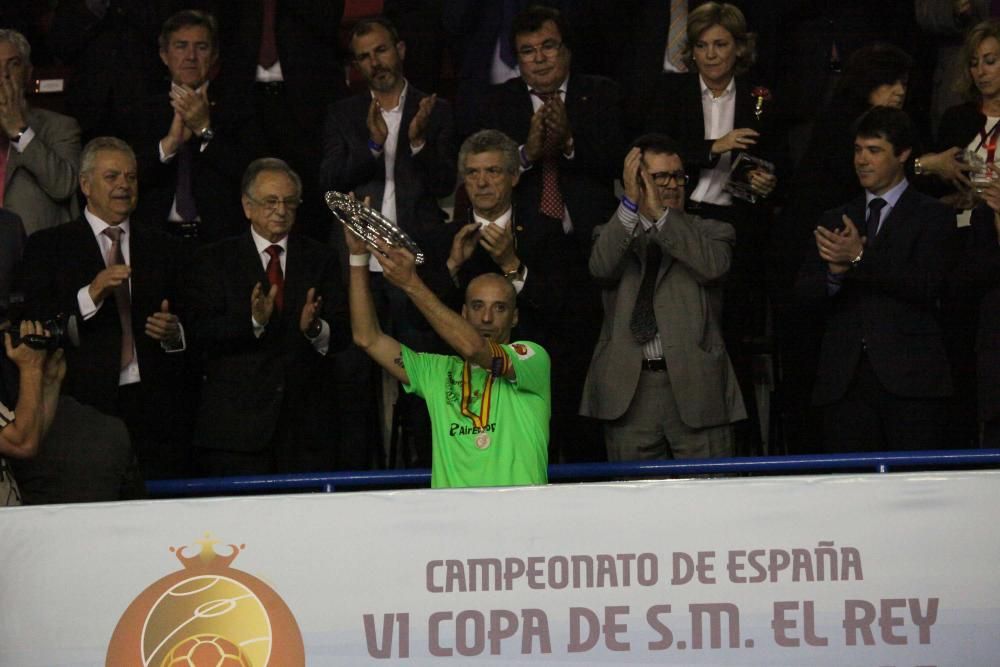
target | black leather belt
[
  {"x": 654, "y": 364},
  {"x": 274, "y": 88},
  {"x": 185, "y": 230}
]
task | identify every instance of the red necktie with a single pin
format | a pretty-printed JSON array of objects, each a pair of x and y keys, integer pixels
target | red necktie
[
  {"x": 268, "y": 43},
  {"x": 275, "y": 275},
  {"x": 123, "y": 300},
  {"x": 4, "y": 149},
  {"x": 552, "y": 201}
]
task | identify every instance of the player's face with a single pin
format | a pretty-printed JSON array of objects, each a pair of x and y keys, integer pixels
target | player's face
[
  {"x": 490, "y": 307},
  {"x": 543, "y": 58},
  {"x": 111, "y": 186},
  {"x": 379, "y": 59},
  {"x": 877, "y": 165},
  {"x": 272, "y": 205},
  {"x": 489, "y": 183},
  {"x": 189, "y": 55}
]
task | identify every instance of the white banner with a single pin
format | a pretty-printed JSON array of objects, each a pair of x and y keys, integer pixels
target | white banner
[{"x": 896, "y": 569}]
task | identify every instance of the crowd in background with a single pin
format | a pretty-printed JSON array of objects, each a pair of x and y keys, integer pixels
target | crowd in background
[{"x": 793, "y": 337}]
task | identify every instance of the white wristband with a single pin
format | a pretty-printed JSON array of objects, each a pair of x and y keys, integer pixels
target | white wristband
[{"x": 360, "y": 260}]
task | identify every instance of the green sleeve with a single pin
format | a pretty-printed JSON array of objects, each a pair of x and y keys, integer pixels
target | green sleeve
[
  {"x": 419, "y": 368},
  {"x": 532, "y": 367}
]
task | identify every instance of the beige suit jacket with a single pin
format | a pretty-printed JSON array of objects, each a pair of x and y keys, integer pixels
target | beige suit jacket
[
  {"x": 41, "y": 182},
  {"x": 686, "y": 303}
]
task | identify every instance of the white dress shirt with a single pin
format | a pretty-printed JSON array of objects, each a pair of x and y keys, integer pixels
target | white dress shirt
[{"x": 718, "y": 113}]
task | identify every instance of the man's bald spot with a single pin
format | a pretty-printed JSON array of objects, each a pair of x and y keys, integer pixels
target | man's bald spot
[{"x": 496, "y": 279}]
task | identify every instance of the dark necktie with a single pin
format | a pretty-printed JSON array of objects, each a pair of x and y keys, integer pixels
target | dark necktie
[
  {"x": 875, "y": 207},
  {"x": 643, "y": 321},
  {"x": 552, "y": 201},
  {"x": 123, "y": 300},
  {"x": 274, "y": 274},
  {"x": 184, "y": 197},
  {"x": 268, "y": 54}
]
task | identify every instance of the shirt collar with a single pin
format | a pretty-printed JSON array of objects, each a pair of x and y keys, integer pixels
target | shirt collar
[
  {"x": 501, "y": 222},
  {"x": 98, "y": 226},
  {"x": 263, "y": 244},
  {"x": 730, "y": 89},
  {"x": 561, "y": 89},
  {"x": 890, "y": 197},
  {"x": 402, "y": 98}
]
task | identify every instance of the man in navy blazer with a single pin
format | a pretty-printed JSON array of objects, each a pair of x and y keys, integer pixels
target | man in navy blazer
[
  {"x": 265, "y": 309},
  {"x": 117, "y": 296},
  {"x": 568, "y": 127},
  {"x": 192, "y": 143},
  {"x": 881, "y": 260},
  {"x": 392, "y": 142}
]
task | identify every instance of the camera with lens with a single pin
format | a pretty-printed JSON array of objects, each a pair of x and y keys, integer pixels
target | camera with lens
[{"x": 63, "y": 329}]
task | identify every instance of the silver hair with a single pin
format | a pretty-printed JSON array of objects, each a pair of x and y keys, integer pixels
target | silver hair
[
  {"x": 98, "y": 144},
  {"x": 21, "y": 44},
  {"x": 269, "y": 164},
  {"x": 486, "y": 141}
]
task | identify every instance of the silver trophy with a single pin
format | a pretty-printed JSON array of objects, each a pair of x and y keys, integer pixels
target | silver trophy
[{"x": 370, "y": 225}]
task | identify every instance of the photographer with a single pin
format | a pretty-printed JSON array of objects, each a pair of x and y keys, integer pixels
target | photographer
[{"x": 40, "y": 375}]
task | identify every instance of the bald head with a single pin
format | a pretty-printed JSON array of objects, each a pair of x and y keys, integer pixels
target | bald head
[{"x": 491, "y": 306}]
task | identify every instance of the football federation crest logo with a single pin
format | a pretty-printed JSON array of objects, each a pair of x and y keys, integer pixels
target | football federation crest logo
[{"x": 207, "y": 614}]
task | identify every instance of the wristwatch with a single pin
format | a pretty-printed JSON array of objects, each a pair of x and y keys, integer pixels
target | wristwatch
[
  {"x": 20, "y": 133},
  {"x": 207, "y": 134},
  {"x": 857, "y": 260},
  {"x": 515, "y": 274},
  {"x": 918, "y": 168}
]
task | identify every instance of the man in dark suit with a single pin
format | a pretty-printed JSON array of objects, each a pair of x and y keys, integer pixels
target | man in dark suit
[
  {"x": 569, "y": 131},
  {"x": 660, "y": 377},
  {"x": 281, "y": 58},
  {"x": 266, "y": 307},
  {"x": 119, "y": 279},
  {"x": 394, "y": 144},
  {"x": 192, "y": 147},
  {"x": 499, "y": 237},
  {"x": 883, "y": 373},
  {"x": 567, "y": 126},
  {"x": 106, "y": 45}
]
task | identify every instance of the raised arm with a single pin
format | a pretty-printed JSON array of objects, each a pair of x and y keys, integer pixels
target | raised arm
[
  {"x": 367, "y": 332},
  {"x": 400, "y": 269}
]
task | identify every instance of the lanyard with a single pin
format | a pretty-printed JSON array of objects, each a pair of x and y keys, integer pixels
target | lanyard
[
  {"x": 483, "y": 418},
  {"x": 989, "y": 139}
]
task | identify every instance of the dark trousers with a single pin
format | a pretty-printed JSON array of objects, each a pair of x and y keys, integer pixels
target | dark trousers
[{"x": 870, "y": 419}]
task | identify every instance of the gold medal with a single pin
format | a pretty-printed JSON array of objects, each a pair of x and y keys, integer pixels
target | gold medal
[{"x": 483, "y": 441}]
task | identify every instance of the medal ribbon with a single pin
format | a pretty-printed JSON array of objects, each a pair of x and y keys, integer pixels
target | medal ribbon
[
  {"x": 501, "y": 364},
  {"x": 989, "y": 139}
]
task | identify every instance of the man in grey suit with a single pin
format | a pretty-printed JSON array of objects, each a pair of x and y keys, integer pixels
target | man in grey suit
[
  {"x": 660, "y": 377},
  {"x": 39, "y": 150}
]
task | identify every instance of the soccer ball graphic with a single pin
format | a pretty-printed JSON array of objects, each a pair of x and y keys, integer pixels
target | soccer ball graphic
[{"x": 206, "y": 651}]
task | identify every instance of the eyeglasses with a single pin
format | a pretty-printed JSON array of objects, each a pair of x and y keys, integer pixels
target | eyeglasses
[
  {"x": 664, "y": 177},
  {"x": 549, "y": 48},
  {"x": 272, "y": 203}
]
